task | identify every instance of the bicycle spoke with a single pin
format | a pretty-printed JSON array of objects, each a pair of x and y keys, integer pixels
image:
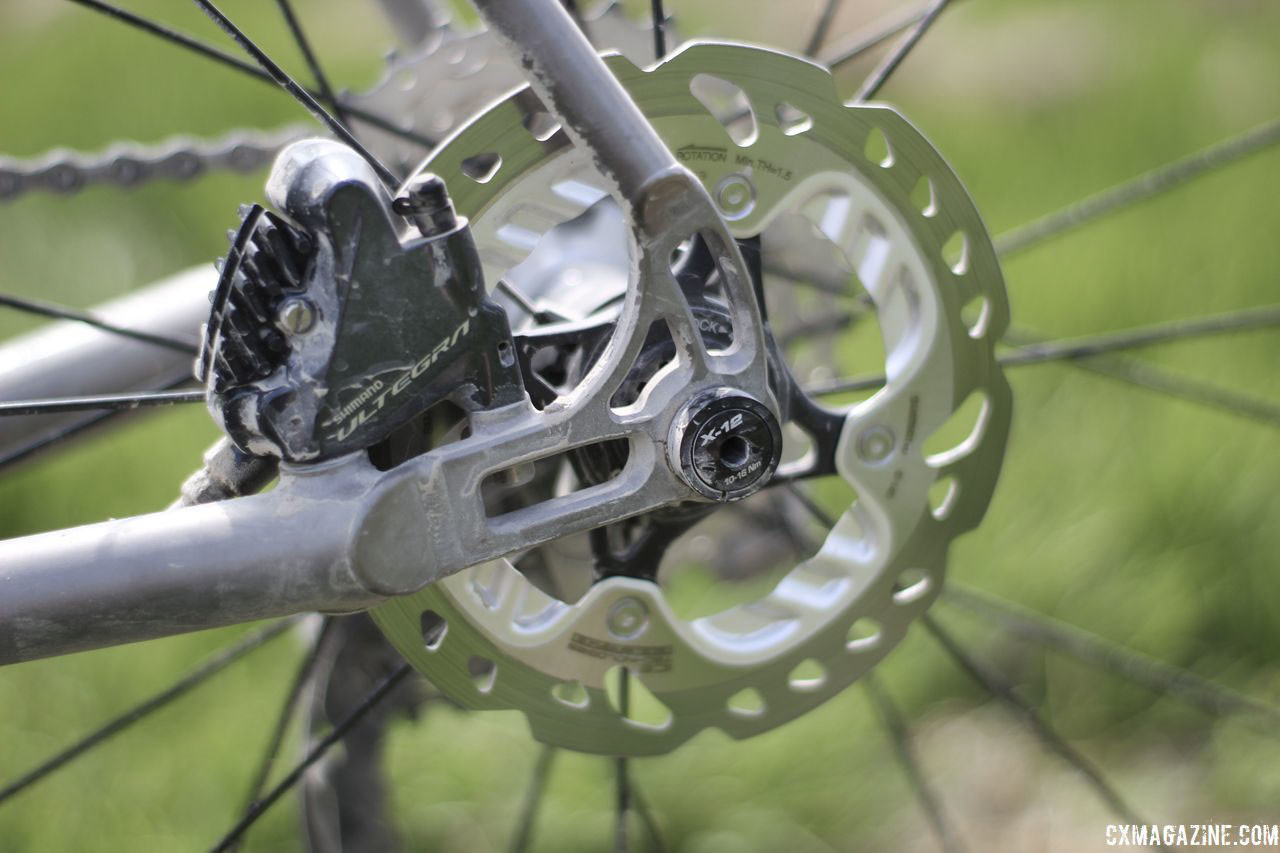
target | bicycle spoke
[
  {"x": 116, "y": 402},
  {"x": 62, "y": 312},
  {"x": 313, "y": 63},
  {"x": 1086, "y": 353},
  {"x": 1139, "y": 189},
  {"x": 775, "y": 518},
  {"x": 811, "y": 506},
  {"x": 885, "y": 69},
  {"x": 48, "y": 439},
  {"x": 209, "y": 52},
  {"x": 809, "y": 283},
  {"x": 1002, "y": 690},
  {"x": 659, "y": 29},
  {"x": 828, "y": 325},
  {"x": 533, "y": 800},
  {"x": 641, "y": 805},
  {"x": 1181, "y": 387},
  {"x": 896, "y": 728},
  {"x": 821, "y": 27},
  {"x": 1100, "y": 652},
  {"x": 1261, "y": 317},
  {"x": 214, "y": 664},
  {"x": 317, "y": 752},
  {"x": 302, "y": 96},
  {"x": 285, "y": 716},
  {"x": 1143, "y": 374},
  {"x": 856, "y": 45},
  {"x": 847, "y": 384},
  {"x": 622, "y": 780}
]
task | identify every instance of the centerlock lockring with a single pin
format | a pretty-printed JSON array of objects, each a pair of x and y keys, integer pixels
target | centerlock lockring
[{"x": 725, "y": 444}]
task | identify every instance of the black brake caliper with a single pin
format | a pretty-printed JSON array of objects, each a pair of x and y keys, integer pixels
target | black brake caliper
[{"x": 332, "y": 325}]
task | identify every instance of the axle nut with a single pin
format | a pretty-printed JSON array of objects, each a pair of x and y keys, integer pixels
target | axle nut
[{"x": 725, "y": 445}]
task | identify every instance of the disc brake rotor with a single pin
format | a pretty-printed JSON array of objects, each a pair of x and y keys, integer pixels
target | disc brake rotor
[
  {"x": 491, "y": 639},
  {"x": 455, "y": 72}
]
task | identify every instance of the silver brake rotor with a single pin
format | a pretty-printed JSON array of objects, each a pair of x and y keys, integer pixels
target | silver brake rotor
[
  {"x": 455, "y": 73},
  {"x": 490, "y": 639}
]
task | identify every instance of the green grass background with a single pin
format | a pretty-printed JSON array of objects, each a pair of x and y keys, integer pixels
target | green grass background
[{"x": 1151, "y": 521}]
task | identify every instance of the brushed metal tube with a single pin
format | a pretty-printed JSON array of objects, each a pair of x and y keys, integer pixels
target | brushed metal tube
[
  {"x": 171, "y": 572},
  {"x": 574, "y": 83}
]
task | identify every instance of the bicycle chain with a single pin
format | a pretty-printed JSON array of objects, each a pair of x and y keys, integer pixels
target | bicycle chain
[
  {"x": 131, "y": 164},
  {"x": 474, "y": 64}
]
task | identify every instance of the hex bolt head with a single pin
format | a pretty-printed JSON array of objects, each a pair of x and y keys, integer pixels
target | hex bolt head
[
  {"x": 296, "y": 315},
  {"x": 627, "y": 618}
]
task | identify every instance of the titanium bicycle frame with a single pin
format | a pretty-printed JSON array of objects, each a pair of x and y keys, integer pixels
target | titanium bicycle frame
[{"x": 342, "y": 536}]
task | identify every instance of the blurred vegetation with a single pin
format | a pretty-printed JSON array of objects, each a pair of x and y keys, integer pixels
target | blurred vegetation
[{"x": 1148, "y": 520}]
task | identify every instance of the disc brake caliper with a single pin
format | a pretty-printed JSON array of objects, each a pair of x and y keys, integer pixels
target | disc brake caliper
[{"x": 334, "y": 324}]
